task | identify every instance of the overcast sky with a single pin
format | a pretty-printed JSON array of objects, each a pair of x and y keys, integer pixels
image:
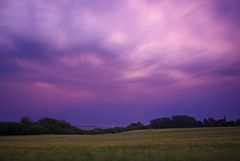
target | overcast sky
[{"x": 112, "y": 62}]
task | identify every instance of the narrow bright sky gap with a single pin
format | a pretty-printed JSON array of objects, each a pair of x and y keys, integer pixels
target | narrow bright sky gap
[{"x": 113, "y": 62}]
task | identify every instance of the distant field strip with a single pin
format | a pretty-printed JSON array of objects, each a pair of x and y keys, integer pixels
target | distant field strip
[{"x": 196, "y": 144}]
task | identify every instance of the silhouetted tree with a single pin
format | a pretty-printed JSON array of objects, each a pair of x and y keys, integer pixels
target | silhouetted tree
[
  {"x": 238, "y": 122},
  {"x": 164, "y": 122},
  {"x": 221, "y": 122},
  {"x": 183, "y": 121},
  {"x": 26, "y": 121},
  {"x": 50, "y": 123},
  {"x": 210, "y": 122},
  {"x": 199, "y": 123},
  {"x": 53, "y": 126},
  {"x": 135, "y": 126},
  {"x": 11, "y": 128}
]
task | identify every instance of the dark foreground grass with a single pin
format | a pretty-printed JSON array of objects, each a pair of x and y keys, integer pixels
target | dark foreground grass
[{"x": 196, "y": 144}]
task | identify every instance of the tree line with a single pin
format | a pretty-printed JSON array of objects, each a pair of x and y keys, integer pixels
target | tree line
[{"x": 53, "y": 126}]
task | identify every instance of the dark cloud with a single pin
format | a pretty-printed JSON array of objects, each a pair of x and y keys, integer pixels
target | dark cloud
[
  {"x": 227, "y": 11},
  {"x": 26, "y": 48},
  {"x": 228, "y": 70}
]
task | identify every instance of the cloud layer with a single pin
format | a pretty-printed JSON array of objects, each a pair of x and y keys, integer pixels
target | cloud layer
[{"x": 140, "y": 57}]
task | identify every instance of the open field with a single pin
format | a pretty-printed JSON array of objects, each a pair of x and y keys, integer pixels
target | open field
[{"x": 196, "y": 144}]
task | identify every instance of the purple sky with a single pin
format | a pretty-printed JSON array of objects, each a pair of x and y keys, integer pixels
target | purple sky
[{"x": 112, "y": 62}]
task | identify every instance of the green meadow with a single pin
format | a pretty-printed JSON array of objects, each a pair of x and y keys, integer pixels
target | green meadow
[{"x": 189, "y": 144}]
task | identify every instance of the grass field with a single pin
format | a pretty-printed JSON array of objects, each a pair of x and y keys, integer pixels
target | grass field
[{"x": 196, "y": 144}]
